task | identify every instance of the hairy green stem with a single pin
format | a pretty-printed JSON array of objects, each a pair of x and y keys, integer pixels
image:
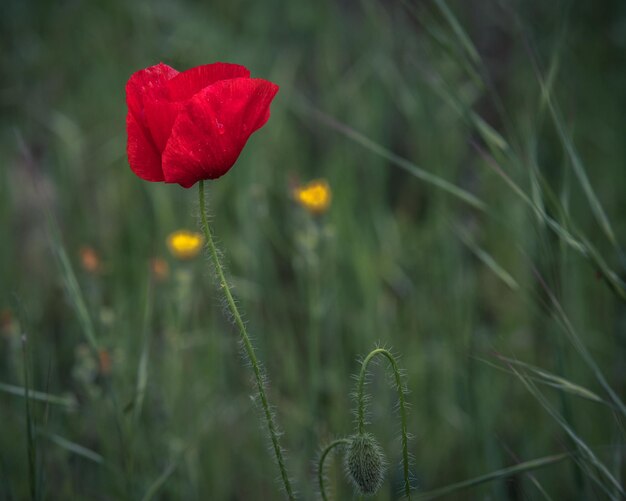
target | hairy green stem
[
  {"x": 320, "y": 466},
  {"x": 402, "y": 405},
  {"x": 225, "y": 287}
]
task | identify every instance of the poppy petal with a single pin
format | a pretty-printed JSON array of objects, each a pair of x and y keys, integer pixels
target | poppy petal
[
  {"x": 143, "y": 86},
  {"x": 144, "y": 159},
  {"x": 213, "y": 128},
  {"x": 163, "y": 106},
  {"x": 146, "y": 83},
  {"x": 160, "y": 117},
  {"x": 192, "y": 81}
]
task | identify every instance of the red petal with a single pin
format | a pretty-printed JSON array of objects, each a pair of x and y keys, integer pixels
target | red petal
[
  {"x": 163, "y": 105},
  {"x": 144, "y": 159},
  {"x": 142, "y": 88},
  {"x": 189, "y": 82},
  {"x": 160, "y": 116},
  {"x": 146, "y": 82},
  {"x": 213, "y": 128}
]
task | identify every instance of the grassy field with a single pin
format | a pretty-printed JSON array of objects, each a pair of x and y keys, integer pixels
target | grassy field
[{"x": 476, "y": 157}]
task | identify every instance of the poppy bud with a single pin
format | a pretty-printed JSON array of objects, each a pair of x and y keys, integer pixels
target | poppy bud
[{"x": 365, "y": 464}]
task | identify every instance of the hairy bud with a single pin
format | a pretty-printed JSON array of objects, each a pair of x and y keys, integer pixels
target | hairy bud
[{"x": 365, "y": 463}]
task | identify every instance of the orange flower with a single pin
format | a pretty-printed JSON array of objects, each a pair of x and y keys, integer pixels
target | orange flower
[
  {"x": 89, "y": 260},
  {"x": 160, "y": 269},
  {"x": 6, "y": 321},
  {"x": 104, "y": 362},
  {"x": 314, "y": 196}
]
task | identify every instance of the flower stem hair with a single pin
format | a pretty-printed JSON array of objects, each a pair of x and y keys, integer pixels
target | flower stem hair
[{"x": 249, "y": 348}]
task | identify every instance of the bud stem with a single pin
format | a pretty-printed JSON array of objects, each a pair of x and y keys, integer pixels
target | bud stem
[
  {"x": 403, "y": 420},
  {"x": 320, "y": 466},
  {"x": 225, "y": 287}
]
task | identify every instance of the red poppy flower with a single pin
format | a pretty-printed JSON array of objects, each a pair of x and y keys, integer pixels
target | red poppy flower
[{"x": 184, "y": 127}]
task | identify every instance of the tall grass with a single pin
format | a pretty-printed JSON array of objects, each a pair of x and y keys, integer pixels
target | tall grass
[{"x": 477, "y": 226}]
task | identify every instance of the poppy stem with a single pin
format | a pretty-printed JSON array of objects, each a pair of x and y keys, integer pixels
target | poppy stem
[
  {"x": 320, "y": 466},
  {"x": 258, "y": 376},
  {"x": 361, "y": 400}
]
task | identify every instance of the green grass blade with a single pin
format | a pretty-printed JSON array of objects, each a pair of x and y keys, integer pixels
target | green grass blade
[
  {"x": 489, "y": 134},
  {"x": 572, "y": 153},
  {"x": 71, "y": 285},
  {"x": 41, "y": 396},
  {"x": 459, "y": 31},
  {"x": 555, "y": 381},
  {"x": 488, "y": 260},
  {"x": 580, "y": 347},
  {"x": 535, "y": 185},
  {"x": 397, "y": 160},
  {"x": 571, "y": 240},
  {"x": 583, "y": 179},
  {"x": 31, "y": 441},
  {"x": 142, "y": 368},
  {"x": 496, "y": 142},
  {"x": 491, "y": 137},
  {"x": 159, "y": 482},
  {"x": 574, "y": 237},
  {"x": 584, "y": 449},
  {"x": 503, "y": 473},
  {"x": 74, "y": 448}
]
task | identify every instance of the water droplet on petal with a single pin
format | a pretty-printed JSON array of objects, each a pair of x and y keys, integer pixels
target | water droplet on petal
[{"x": 220, "y": 127}]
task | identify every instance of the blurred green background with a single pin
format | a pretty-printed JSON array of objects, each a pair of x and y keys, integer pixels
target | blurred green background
[{"x": 520, "y": 104}]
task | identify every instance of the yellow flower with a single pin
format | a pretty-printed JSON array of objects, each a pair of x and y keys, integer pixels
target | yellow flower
[
  {"x": 185, "y": 244},
  {"x": 315, "y": 196}
]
